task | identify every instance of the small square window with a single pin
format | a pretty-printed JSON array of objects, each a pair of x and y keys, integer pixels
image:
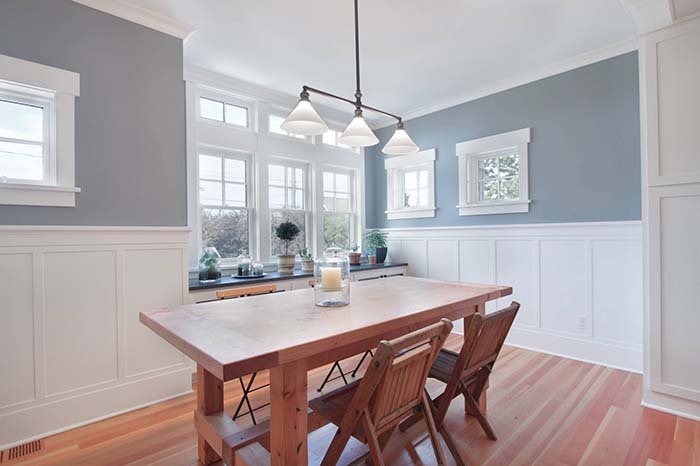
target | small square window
[{"x": 410, "y": 185}]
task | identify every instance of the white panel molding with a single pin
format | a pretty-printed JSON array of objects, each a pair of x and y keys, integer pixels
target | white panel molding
[
  {"x": 55, "y": 388},
  {"x": 553, "y": 69},
  {"x": 513, "y": 254},
  {"x": 140, "y": 15}
]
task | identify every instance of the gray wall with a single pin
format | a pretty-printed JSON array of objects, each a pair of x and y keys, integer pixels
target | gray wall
[
  {"x": 130, "y": 116},
  {"x": 584, "y": 156}
]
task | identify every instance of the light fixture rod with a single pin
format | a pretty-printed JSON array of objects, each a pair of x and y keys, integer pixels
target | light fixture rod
[
  {"x": 351, "y": 102},
  {"x": 358, "y": 92}
]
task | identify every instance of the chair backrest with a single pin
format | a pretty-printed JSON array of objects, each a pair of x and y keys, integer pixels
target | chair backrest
[
  {"x": 247, "y": 291},
  {"x": 484, "y": 339},
  {"x": 394, "y": 382}
]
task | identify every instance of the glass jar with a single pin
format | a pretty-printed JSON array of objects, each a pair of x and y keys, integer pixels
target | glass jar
[
  {"x": 244, "y": 268},
  {"x": 209, "y": 265},
  {"x": 332, "y": 279},
  {"x": 258, "y": 270}
]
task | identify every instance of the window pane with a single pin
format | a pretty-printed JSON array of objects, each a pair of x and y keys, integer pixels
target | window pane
[
  {"x": 336, "y": 230},
  {"x": 423, "y": 178},
  {"x": 235, "y": 195},
  {"x": 299, "y": 199},
  {"x": 297, "y": 218},
  {"x": 328, "y": 201},
  {"x": 226, "y": 230},
  {"x": 236, "y": 115},
  {"x": 411, "y": 198},
  {"x": 276, "y": 175},
  {"x": 298, "y": 178},
  {"x": 342, "y": 202},
  {"x": 510, "y": 188},
  {"x": 234, "y": 170},
  {"x": 209, "y": 167},
  {"x": 21, "y": 161},
  {"x": 488, "y": 190},
  {"x": 329, "y": 137},
  {"x": 210, "y": 193},
  {"x": 342, "y": 183},
  {"x": 508, "y": 165},
  {"x": 275, "y": 122},
  {"x": 488, "y": 168},
  {"x": 423, "y": 197},
  {"x": 21, "y": 121},
  {"x": 328, "y": 181},
  {"x": 211, "y": 109},
  {"x": 410, "y": 180},
  {"x": 276, "y": 197}
]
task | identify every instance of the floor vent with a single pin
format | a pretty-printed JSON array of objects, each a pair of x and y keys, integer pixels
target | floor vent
[{"x": 20, "y": 450}]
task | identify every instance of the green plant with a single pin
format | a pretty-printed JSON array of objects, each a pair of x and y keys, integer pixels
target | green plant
[
  {"x": 354, "y": 248},
  {"x": 286, "y": 232},
  {"x": 375, "y": 239},
  {"x": 305, "y": 254},
  {"x": 209, "y": 259}
]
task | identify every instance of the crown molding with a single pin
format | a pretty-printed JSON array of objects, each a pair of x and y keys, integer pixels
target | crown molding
[
  {"x": 142, "y": 16},
  {"x": 536, "y": 74},
  {"x": 650, "y": 15}
]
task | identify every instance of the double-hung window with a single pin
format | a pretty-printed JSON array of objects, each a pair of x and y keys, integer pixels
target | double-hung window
[
  {"x": 411, "y": 185},
  {"x": 225, "y": 205},
  {"x": 338, "y": 208},
  {"x": 288, "y": 199},
  {"x": 37, "y": 134},
  {"x": 493, "y": 174}
]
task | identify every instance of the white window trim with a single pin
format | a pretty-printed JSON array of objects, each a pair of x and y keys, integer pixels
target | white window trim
[
  {"x": 354, "y": 203},
  {"x": 423, "y": 160},
  {"x": 59, "y": 189},
  {"x": 469, "y": 152}
]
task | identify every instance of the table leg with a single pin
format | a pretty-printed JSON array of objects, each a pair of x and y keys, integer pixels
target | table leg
[
  {"x": 481, "y": 309},
  {"x": 210, "y": 400},
  {"x": 288, "y": 415}
]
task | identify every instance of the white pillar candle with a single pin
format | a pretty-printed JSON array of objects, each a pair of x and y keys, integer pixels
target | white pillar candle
[{"x": 330, "y": 278}]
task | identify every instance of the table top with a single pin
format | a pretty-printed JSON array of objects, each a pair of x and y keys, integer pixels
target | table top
[
  {"x": 239, "y": 336},
  {"x": 228, "y": 280}
]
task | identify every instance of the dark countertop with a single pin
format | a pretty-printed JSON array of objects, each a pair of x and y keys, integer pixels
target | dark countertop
[{"x": 228, "y": 280}]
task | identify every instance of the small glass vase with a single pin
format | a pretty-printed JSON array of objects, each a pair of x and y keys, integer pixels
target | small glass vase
[
  {"x": 332, "y": 279},
  {"x": 244, "y": 267},
  {"x": 209, "y": 265}
]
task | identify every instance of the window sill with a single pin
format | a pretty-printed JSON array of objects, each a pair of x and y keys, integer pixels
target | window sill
[
  {"x": 514, "y": 207},
  {"x": 37, "y": 195},
  {"x": 427, "y": 212}
]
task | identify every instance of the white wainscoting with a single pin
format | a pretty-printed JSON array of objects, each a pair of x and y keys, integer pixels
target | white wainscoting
[
  {"x": 580, "y": 284},
  {"x": 72, "y": 349}
]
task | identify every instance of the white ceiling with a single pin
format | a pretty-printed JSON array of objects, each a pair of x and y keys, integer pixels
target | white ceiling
[{"x": 413, "y": 52}]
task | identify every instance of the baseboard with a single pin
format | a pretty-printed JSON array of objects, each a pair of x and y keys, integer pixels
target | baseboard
[
  {"x": 671, "y": 405},
  {"x": 607, "y": 354}
]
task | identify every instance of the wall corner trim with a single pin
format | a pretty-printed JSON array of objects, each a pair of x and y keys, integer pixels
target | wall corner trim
[{"x": 142, "y": 16}]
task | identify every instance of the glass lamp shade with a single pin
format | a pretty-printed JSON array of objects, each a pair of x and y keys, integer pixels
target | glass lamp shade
[
  {"x": 400, "y": 144},
  {"x": 304, "y": 120},
  {"x": 358, "y": 134}
]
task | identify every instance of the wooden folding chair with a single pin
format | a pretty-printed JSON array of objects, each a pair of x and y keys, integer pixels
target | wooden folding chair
[
  {"x": 247, "y": 388},
  {"x": 467, "y": 373},
  {"x": 391, "y": 389}
]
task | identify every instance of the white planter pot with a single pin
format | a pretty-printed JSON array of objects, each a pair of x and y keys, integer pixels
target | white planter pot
[
  {"x": 285, "y": 263},
  {"x": 307, "y": 266}
]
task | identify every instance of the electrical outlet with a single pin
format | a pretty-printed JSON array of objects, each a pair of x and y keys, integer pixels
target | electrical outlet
[{"x": 581, "y": 323}]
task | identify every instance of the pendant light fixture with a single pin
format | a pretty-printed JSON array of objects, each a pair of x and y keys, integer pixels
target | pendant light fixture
[{"x": 306, "y": 121}]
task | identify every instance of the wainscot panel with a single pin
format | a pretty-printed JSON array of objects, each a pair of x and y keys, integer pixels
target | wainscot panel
[
  {"x": 73, "y": 350},
  {"x": 580, "y": 284}
]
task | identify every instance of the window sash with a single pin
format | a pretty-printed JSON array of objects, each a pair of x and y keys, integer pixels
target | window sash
[{"x": 475, "y": 180}]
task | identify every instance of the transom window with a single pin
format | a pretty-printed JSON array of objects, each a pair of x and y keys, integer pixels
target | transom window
[
  {"x": 287, "y": 183},
  {"x": 493, "y": 174},
  {"x": 338, "y": 209},
  {"x": 275, "y": 127},
  {"x": 24, "y": 142},
  {"x": 411, "y": 185},
  {"x": 332, "y": 138},
  {"x": 224, "y": 202},
  {"x": 223, "y": 112}
]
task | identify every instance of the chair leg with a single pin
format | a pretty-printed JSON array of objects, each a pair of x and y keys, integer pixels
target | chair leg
[
  {"x": 375, "y": 449},
  {"x": 451, "y": 445},
  {"x": 335, "y": 449},
  {"x": 330, "y": 372},
  {"x": 245, "y": 399},
  {"x": 476, "y": 412},
  {"x": 434, "y": 438},
  {"x": 359, "y": 364}
]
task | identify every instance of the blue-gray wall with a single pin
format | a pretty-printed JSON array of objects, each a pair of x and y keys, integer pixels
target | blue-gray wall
[
  {"x": 584, "y": 158},
  {"x": 130, "y": 116}
]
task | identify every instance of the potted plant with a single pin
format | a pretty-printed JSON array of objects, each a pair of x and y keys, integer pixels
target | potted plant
[
  {"x": 286, "y": 232},
  {"x": 209, "y": 264},
  {"x": 307, "y": 260},
  {"x": 376, "y": 240},
  {"x": 354, "y": 256}
]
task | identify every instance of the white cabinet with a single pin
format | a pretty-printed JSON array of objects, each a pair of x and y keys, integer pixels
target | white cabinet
[{"x": 670, "y": 93}]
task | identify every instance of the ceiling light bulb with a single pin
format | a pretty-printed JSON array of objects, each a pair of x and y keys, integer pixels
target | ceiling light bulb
[
  {"x": 400, "y": 143},
  {"x": 304, "y": 119},
  {"x": 358, "y": 133}
]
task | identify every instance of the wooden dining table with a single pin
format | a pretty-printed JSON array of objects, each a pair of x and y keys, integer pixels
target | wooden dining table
[{"x": 289, "y": 335}]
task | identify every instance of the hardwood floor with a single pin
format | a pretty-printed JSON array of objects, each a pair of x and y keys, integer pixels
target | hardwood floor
[{"x": 546, "y": 411}]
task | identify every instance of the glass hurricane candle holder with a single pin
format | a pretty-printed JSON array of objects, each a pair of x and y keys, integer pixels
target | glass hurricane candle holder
[
  {"x": 209, "y": 265},
  {"x": 332, "y": 279}
]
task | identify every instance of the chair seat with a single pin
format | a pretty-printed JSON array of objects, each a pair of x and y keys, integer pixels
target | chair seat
[
  {"x": 334, "y": 405},
  {"x": 444, "y": 365}
]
